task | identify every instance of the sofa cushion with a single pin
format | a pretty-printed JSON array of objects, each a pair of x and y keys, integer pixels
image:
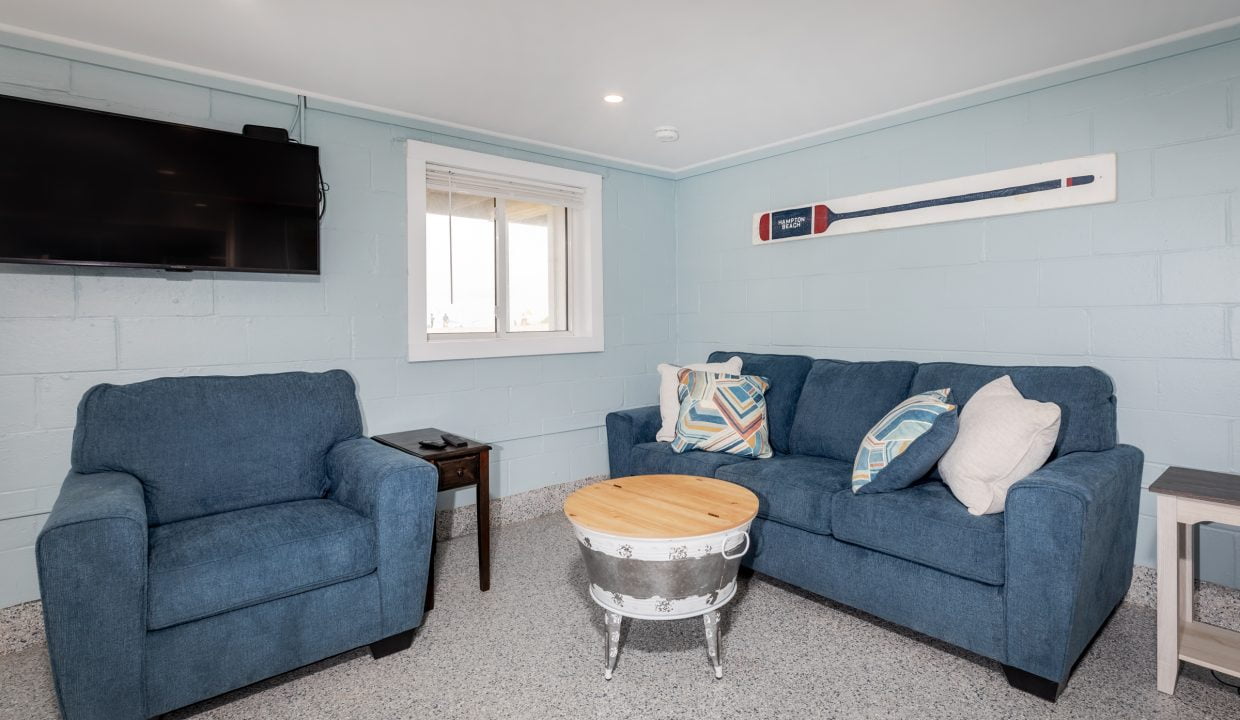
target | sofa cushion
[
  {"x": 841, "y": 401},
  {"x": 795, "y": 490},
  {"x": 927, "y": 525},
  {"x": 209, "y": 565},
  {"x": 786, "y": 374},
  {"x": 657, "y": 457},
  {"x": 1085, "y": 397},
  {"x": 206, "y": 445}
]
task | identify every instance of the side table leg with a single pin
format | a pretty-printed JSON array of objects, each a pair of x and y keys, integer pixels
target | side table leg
[
  {"x": 428, "y": 603},
  {"x": 1187, "y": 572},
  {"x": 613, "y": 622},
  {"x": 711, "y": 621},
  {"x": 484, "y": 521},
  {"x": 1168, "y": 594}
]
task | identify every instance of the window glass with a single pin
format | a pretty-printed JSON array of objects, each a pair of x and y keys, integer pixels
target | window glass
[
  {"x": 537, "y": 271},
  {"x": 460, "y": 263}
]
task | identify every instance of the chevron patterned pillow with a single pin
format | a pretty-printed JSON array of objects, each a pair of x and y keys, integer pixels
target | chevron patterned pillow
[
  {"x": 722, "y": 413},
  {"x": 906, "y": 443}
]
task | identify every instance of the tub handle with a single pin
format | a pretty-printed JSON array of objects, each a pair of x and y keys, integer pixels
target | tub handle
[{"x": 726, "y": 556}]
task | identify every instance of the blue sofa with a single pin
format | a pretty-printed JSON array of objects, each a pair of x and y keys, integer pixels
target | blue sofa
[
  {"x": 215, "y": 531},
  {"x": 1029, "y": 587}
]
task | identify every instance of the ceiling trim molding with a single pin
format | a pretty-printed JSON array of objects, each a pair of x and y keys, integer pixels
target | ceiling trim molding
[{"x": 1157, "y": 49}]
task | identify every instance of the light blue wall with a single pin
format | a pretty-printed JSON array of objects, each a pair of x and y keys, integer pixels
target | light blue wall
[
  {"x": 62, "y": 330},
  {"x": 1148, "y": 288}
]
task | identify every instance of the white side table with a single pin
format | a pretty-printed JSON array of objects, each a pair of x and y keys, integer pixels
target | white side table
[{"x": 1185, "y": 498}]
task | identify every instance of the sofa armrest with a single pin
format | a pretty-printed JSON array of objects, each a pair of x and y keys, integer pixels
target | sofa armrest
[
  {"x": 92, "y": 558},
  {"x": 626, "y": 428},
  {"x": 1071, "y": 534},
  {"x": 397, "y": 492}
]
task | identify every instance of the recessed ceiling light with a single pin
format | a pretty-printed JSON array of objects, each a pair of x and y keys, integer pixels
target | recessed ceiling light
[{"x": 613, "y": 98}]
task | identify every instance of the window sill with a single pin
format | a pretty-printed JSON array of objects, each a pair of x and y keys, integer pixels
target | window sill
[{"x": 423, "y": 350}]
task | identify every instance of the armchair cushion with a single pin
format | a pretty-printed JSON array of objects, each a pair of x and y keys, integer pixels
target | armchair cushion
[
  {"x": 209, "y": 565},
  {"x": 207, "y": 445}
]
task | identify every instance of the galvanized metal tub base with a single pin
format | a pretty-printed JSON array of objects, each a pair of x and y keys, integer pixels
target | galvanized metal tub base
[
  {"x": 658, "y": 608},
  {"x": 662, "y": 579}
]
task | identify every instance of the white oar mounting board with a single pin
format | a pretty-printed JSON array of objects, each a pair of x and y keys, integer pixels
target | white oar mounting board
[{"x": 1064, "y": 183}]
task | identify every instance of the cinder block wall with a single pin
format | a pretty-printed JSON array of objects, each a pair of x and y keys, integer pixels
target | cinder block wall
[
  {"x": 1148, "y": 288},
  {"x": 64, "y": 330}
]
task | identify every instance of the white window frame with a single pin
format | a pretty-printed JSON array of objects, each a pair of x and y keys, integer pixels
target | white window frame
[{"x": 585, "y": 263}]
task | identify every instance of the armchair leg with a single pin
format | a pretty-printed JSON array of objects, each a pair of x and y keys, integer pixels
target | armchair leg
[
  {"x": 1033, "y": 684},
  {"x": 392, "y": 644}
]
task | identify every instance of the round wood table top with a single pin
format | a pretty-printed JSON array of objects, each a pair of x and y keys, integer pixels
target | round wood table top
[{"x": 661, "y": 506}]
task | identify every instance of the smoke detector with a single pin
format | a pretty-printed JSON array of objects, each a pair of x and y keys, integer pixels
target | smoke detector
[{"x": 666, "y": 133}]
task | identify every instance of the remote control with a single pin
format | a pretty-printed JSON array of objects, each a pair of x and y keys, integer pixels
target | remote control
[
  {"x": 432, "y": 444},
  {"x": 454, "y": 440}
]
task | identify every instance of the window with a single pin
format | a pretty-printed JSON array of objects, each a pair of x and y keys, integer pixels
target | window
[{"x": 505, "y": 256}]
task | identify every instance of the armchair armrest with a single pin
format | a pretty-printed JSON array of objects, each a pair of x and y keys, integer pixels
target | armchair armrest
[
  {"x": 1071, "y": 536},
  {"x": 626, "y": 428},
  {"x": 92, "y": 558},
  {"x": 397, "y": 492}
]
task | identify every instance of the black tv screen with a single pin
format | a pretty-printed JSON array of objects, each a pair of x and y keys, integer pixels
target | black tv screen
[{"x": 80, "y": 187}]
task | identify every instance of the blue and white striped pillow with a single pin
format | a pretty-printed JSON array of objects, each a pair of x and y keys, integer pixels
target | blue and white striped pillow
[
  {"x": 906, "y": 443},
  {"x": 722, "y": 413}
]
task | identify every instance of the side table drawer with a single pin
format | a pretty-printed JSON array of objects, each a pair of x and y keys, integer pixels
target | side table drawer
[{"x": 458, "y": 473}]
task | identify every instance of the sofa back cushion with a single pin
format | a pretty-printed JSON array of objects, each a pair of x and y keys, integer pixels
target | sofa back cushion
[
  {"x": 1085, "y": 397},
  {"x": 841, "y": 401},
  {"x": 786, "y": 374},
  {"x": 206, "y": 445}
]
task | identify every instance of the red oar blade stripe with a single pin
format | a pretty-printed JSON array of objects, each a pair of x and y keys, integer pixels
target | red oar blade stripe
[
  {"x": 822, "y": 217},
  {"x": 764, "y": 227}
]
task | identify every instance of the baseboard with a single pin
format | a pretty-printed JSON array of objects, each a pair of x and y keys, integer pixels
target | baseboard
[{"x": 507, "y": 510}]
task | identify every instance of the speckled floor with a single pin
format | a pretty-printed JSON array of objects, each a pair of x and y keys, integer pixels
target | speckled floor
[{"x": 532, "y": 648}]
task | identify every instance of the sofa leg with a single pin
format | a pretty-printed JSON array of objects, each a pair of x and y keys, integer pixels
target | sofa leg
[
  {"x": 1049, "y": 689},
  {"x": 391, "y": 644},
  {"x": 1033, "y": 684}
]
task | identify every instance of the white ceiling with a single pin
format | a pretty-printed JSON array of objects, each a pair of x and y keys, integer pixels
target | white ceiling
[{"x": 732, "y": 75}]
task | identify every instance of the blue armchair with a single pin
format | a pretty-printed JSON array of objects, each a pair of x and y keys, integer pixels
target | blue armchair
[{"x": 215, "y": 531}]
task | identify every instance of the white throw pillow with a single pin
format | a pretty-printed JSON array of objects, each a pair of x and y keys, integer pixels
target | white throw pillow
[
  {"x": 1002, "y": 438},
  {"x": 669, "y": 401}
]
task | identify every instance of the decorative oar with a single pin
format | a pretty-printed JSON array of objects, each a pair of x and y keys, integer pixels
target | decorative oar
[{"x": 791, "y": 223}]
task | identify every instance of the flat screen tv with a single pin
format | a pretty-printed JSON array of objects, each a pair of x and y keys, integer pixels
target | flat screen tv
[{"x": 81, "y": 187}]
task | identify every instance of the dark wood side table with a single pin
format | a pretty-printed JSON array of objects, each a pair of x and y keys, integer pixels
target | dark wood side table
[
  {"x": 458, "y": 467},
  {"x": 1187, "y": 497}
]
